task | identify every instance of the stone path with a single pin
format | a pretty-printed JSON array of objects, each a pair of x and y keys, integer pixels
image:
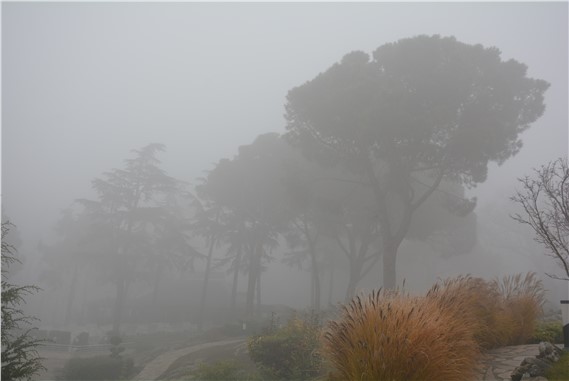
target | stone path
[
  {"x": 160, "y": 364},
  {"x": 499, "y": 363}
]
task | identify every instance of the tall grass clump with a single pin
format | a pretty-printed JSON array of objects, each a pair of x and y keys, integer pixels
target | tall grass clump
[
  {"x": 522, "y": 299},
  {"x": 480, "y": 305},
  {"x": 389, "y": 335}
]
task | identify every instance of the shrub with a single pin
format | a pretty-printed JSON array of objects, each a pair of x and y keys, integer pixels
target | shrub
[
  {"x": 97, "y": 368},
  {"x": 389, "y": 335},
  {"x": 290, "y": 352},
  {"x": 548, "y": 331},
  {"x": 228, "y": 370}
]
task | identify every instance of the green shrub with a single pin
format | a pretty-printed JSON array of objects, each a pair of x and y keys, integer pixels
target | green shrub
[
  {"x": 288, "y": 353},
  {"x": 97, "y": 368},
  {"x": 228, "y": 370},
  {"x": 551, "y": 331}
]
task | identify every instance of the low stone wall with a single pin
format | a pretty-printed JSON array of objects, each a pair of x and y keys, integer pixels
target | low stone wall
[{"x": 535, "y": 368}]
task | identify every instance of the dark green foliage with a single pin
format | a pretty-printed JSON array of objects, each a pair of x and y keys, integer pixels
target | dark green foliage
[
  {"x": 551, "y": 331},
  {"x": 560, "y": 370},
  {"x": 97, "y": 368},
  {"x": 424, "y": 110},
  {"x": 116, "y": 348},
  {"x": 20, "y": 359},
  {"x": 288, "y": 353}
]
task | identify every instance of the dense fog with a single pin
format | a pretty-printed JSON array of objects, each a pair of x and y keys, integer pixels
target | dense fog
[{"x": 172, "y": 166}]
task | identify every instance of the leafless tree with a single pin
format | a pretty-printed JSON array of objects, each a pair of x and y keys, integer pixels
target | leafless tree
[{"x": 545, "y": 201}]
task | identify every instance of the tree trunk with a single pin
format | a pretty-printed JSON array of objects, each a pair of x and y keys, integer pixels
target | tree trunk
[
  {"x": 235, "y": 282},
  {"x": 157, "y": 277},
  {"x": 119, "y": 305},
  {"x": 389, "y": 267},
  {"x": 353, "y": 281},
  {"x": 70, "y": 297},
  {"x": 201, "y": 310},
  {"x": 252, "y": 282},
  {"x": 315, "y": 285},
  {"x": 331, "y": 281},
  {"x": 258, "y": 293}
]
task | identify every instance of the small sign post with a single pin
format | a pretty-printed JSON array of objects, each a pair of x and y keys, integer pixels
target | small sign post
[{"x": 565, "y": 317}]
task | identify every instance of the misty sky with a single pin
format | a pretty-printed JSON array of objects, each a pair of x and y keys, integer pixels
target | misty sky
[{"x": 84, "y": 83}]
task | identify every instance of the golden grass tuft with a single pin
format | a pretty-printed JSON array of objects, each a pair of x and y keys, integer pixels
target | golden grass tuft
[
  {"x": 389, "y": 335},
  {"x": 522, "y": 299},
  {"x": 392, "y": 336}
]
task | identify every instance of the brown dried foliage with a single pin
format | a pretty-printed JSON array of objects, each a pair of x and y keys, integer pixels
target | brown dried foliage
[{"x": 390, "y": 335}]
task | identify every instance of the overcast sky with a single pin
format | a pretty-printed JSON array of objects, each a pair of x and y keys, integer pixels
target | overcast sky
[{"x": 84, "y": 83}]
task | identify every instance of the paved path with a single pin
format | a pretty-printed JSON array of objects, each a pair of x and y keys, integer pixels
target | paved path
[
  {"x": 498, "y": 364},
  {"x": 160, "y": 364}
]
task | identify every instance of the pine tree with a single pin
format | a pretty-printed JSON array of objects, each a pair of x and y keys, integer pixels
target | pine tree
[{"x": 20, "y": 358}]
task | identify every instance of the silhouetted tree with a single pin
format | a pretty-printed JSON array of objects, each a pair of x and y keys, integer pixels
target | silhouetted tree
[
  {"x": 250, "y": 191},
  {"x": 20, "y": 359},
  {"x": 207, "y": 224},
  {"x": 425, "y": 105},
  {"x": 128, "y": 215},
  {"x": 544, "y": 198}
]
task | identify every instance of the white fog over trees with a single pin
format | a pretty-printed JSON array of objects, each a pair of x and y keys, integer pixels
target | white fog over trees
[{"x": 191, "y": 167}]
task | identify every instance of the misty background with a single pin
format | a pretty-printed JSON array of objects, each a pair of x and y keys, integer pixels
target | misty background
[{"x": 84, "y": 84}]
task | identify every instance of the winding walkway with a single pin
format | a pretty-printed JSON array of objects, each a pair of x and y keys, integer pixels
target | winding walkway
[
  {"x": 497, "y": 364},
  {"x": 160, "y": 364}
]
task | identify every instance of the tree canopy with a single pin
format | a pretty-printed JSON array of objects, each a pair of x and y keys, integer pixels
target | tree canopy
[{"x": 425, "y": 106}]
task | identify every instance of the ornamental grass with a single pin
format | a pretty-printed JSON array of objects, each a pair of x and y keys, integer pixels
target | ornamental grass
[
  {"x": 389, "y": 335},
  {"x": 522, "y": 299}
]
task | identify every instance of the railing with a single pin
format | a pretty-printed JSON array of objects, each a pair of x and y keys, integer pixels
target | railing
[{"x": 81, "y": 348}]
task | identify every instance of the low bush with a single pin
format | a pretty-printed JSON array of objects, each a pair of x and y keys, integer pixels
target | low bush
[
  {"x": 392, "y": 336},
  {"x": 288, "y": 353},
  {"x": 228, "y": 370},
  {"x": 97, "y": 368},
  {"x": 551, "y": 331}
]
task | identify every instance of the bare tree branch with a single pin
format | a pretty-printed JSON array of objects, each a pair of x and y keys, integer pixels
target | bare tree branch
[{"x": 545, "y": 202}]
